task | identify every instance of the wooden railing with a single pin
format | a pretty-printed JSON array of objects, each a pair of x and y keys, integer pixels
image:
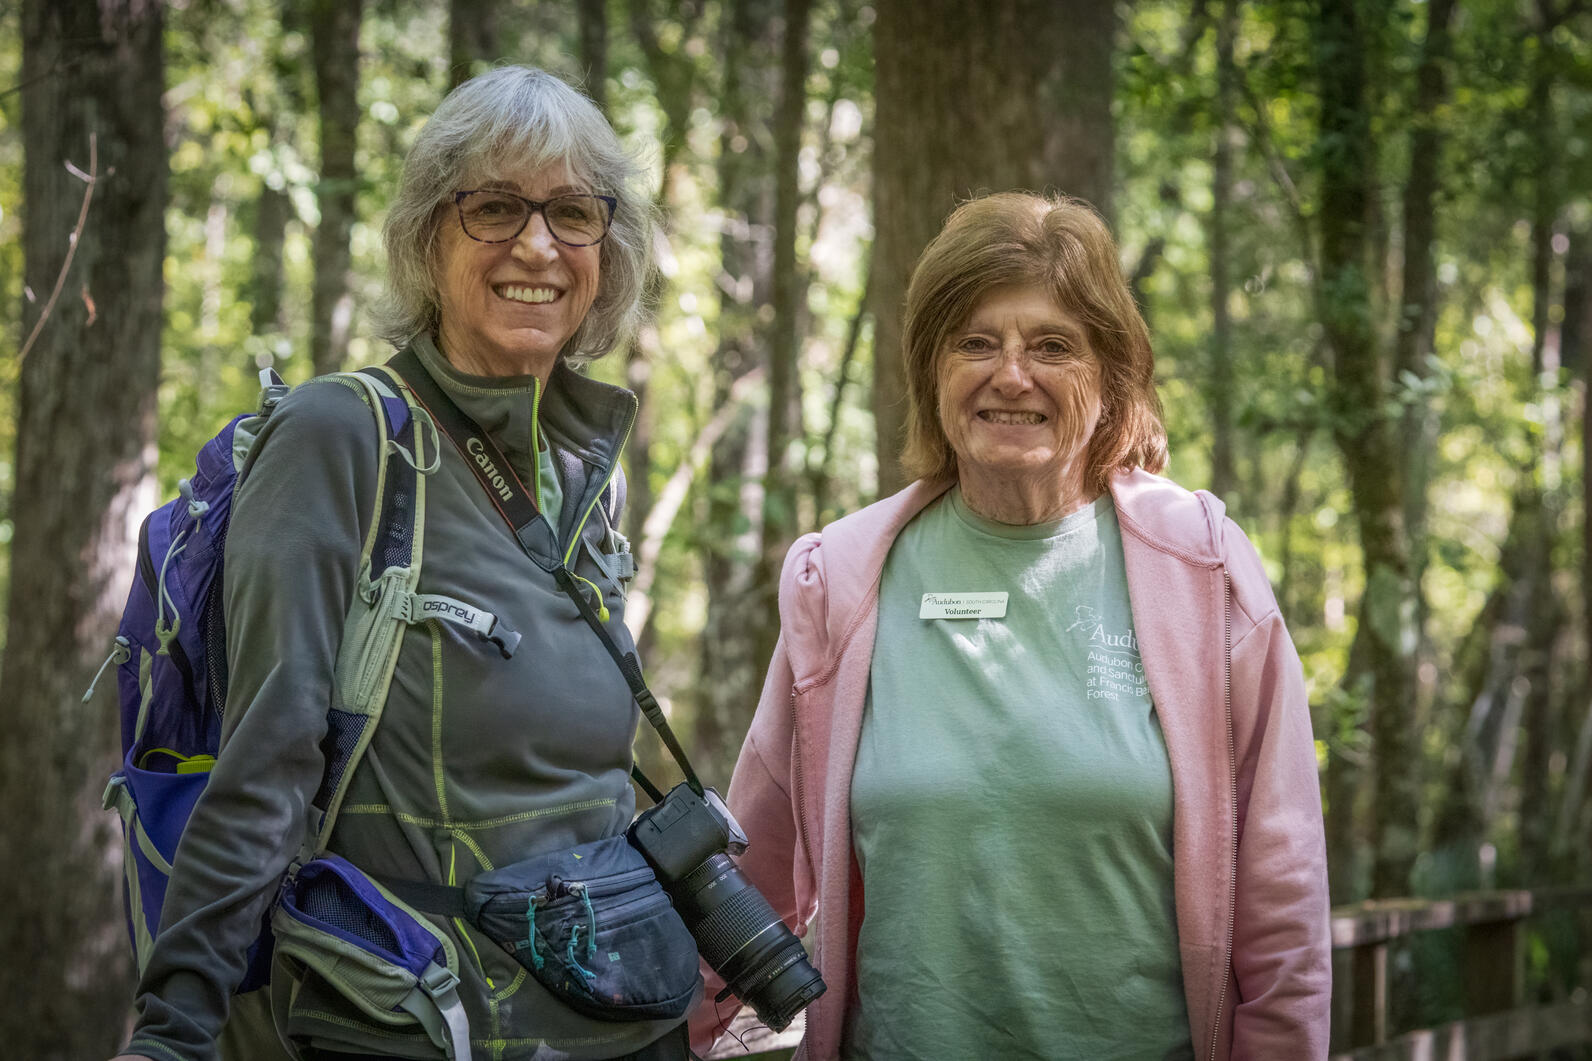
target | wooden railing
[
  {"x": 750, "y": 1040},
  {"x": 1497, "y": 1025}
]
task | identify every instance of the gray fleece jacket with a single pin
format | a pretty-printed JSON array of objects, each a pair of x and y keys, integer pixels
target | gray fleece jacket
[{"x": 478, "y": 761}]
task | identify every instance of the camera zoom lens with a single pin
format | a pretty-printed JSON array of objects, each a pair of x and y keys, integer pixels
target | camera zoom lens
[{"x": 744, "y": 940}]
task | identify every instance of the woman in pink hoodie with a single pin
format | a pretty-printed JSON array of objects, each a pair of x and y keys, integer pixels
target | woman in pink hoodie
[{"x": 1033, "y": 760}]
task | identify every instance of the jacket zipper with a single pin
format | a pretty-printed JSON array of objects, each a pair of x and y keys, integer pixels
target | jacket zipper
[
  {"x": 1232, "y": 784},
  {"x": 536, "y": 448},
  {"x": 613, "y": 470},
  {"x": 800, "y": 786}
]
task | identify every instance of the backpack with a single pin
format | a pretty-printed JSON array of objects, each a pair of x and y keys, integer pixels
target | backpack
[{"x": 170, "y": 648}]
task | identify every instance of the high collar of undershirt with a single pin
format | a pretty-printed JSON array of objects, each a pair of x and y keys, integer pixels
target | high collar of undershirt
[{"x": 502, "y": 406}]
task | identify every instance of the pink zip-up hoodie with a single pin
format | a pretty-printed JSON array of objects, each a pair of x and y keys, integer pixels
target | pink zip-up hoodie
[{"x": 1249, "y": 853}]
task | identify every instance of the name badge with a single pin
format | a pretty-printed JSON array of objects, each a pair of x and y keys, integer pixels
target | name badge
[{"x": 963, "y": 606}]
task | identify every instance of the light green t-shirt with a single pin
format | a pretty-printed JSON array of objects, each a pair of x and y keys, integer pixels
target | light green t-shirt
[{"x": 1012, "y": 806}]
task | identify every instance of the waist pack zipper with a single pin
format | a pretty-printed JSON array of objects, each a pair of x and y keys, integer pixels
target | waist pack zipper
[{"x": 561, "y": 889}]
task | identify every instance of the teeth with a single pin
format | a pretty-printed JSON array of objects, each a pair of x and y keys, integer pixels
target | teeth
[
  {"x": 527, "y": 294},
  {"x": 996, "y": 417}
]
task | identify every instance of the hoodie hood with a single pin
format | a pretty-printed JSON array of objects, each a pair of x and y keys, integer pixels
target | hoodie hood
[{"x": 1161, "y": 513}]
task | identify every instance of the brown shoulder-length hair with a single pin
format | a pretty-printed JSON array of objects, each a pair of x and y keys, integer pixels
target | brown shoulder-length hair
[{"x": 1061, "y": 244}]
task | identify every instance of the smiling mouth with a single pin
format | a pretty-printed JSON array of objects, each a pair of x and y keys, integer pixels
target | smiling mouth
[
  {"x": 520, "y": 293},
  {"x": 1011, "y": 417}
]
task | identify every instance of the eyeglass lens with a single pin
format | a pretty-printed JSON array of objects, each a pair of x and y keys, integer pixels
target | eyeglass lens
[{"x": 493, "y": 217}]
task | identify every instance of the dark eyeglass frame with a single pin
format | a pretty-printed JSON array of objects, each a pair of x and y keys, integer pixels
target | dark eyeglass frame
[{"x": 537, "y": 206}]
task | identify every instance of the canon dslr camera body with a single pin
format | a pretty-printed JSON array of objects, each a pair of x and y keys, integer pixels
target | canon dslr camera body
[{"x": 688, "y": 839}]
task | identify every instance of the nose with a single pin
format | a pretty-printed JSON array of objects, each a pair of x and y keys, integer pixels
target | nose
[
  {"x": 535, "y": 244},
  {"x": 1011, "y": 376}
]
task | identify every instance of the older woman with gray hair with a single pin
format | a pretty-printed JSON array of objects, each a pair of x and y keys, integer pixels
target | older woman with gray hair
[{"x": 517, "y": 249}]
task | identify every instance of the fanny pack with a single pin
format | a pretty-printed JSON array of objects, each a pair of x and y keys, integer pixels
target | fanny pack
[{"x": 590, "y": 923}]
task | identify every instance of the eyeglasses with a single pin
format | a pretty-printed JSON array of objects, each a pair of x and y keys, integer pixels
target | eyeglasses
[{"x": 575, "y": 220}]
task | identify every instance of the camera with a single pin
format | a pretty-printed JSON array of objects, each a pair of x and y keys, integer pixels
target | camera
[{"x": 688, "y": 839}]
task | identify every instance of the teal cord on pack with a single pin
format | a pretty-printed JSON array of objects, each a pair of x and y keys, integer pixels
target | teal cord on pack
[
  {"x": 591, "y": 935},
  {"x": 574, "y": 962},
  {"x": 530, "y": 932}
]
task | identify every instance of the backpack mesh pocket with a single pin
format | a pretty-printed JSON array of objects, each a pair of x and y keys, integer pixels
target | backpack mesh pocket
[{"x": 334, "y": 924}]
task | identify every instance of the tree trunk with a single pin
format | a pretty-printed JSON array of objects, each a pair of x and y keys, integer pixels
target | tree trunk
[
  {"x": 269, "y": 213},
  {"x": 334, "y": 26},
  {"x": 1541, "y": 477},
  {"x": 821, "y": 475},
  {"x": 1576, "y": 354},
  {"x": 472, "y": 38},
  {"x": 790, "y": 305},
  {"x": 1416, "y": 323},
  {"x": 956, "y": 100},
  {"x": 1223, "y": 477},
  {"x": 272, "y": 211},
  {"x": 92, "y": 73},
  {"x": 738, "y": 606},
  {"x": 592, "y": 16},
  {"x": 675, "y": 76},
  {"x": 1382, "y": 663}
]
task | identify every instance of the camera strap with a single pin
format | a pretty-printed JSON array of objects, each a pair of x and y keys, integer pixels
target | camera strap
[{"x": 518, "y": 509}]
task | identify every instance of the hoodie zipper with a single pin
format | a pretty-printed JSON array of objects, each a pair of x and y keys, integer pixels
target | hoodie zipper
[
  {"x": 1232, "y": 784},
  {"x": 800, "y": 786}
]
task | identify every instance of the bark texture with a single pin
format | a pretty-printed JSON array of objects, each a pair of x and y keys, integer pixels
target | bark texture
[
  {"x": 1381, "y": 666},
  {"x": 955, "y": 106},
  {"x": 472, "y": 38},
  {"x": 334, "y": 25},
  {"x": 790, "y": 309},
  {"x": 737, "y": 605},
  {"x": 592, "y": 19},
  {"x": 85, "y": 450},
  {"x": 1220, "y": 375}
]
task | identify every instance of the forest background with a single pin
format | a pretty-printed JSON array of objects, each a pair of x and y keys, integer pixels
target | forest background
[{"x": 1361, "y": 231}]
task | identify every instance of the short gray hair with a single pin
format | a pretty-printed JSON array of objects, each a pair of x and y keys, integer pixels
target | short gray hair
[{"x": 515, "y": 116}]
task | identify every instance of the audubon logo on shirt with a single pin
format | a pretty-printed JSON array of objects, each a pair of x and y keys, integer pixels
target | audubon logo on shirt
[{"x": 1115, "y": 670}]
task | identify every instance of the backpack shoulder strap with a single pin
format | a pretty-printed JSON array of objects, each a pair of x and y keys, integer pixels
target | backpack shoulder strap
[{"x": 389, "y": 571}]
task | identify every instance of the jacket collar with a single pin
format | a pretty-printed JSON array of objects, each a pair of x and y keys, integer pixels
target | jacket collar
[{"x": 589, "y": 418}]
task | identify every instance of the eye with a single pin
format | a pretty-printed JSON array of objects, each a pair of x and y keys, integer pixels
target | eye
[
  {"x": 576, "y": 210},
  {"x": 1054, "y": 348},
  {"x": 491, "y": 207},
  {"x": 973, "y": 345}
]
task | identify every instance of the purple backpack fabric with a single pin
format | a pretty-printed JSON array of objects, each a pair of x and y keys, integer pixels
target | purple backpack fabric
[{"x": 170, "y": 656}]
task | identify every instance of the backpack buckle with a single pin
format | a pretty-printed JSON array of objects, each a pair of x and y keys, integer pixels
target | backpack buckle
[{"x": 272, "y": 389}]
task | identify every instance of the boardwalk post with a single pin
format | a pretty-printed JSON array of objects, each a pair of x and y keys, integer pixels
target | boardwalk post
[
  {"x": 1370, "y": 994},
  {"x": 1492, "y": 967}
]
